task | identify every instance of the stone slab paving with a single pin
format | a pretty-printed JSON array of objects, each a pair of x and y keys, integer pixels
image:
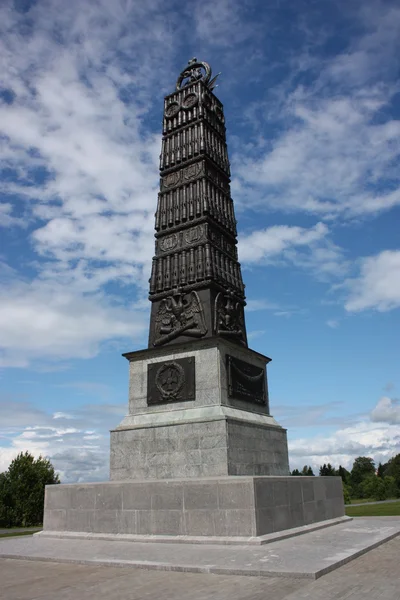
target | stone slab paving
[
  {"x": 28, "y": 580},
  {"x": 373, "y": 576},
  {"x": 307, "y": 556}
]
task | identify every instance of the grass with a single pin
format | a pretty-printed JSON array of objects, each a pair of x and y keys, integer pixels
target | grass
[
  {"x": 391, "y": 509},
  {"x": 17, "y": 533},
  {"x": 363, "y": 500}
]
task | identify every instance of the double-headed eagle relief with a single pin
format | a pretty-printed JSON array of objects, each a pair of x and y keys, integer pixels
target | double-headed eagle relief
[
  {"x": 179, "y": 314},
  {"x": 196, "y": 285}
]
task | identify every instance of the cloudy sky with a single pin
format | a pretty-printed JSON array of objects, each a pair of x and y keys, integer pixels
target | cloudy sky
[{"x": 312, "y": 104}]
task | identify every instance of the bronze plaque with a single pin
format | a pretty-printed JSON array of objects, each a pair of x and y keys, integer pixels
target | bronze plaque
[
  {"x": 245, "y": 381},
  {"x": 171, "y": 381}
]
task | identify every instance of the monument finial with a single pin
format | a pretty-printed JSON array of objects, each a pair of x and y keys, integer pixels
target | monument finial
[{"x": 196, "y": 71}]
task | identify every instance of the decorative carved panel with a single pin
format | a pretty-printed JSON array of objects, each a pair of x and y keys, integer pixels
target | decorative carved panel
[
  {"x": 196, "y": 284},
  {"x": 171, "y": 381},
  {"x": 179, "y": 314},
  {"x": 245, "y": 381}
]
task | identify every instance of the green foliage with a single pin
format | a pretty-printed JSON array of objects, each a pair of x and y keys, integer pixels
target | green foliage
[
  {"x": 392, "y": 469},
  {"x": 373, "y": 487},
  {"x": 391, "y": 487},
  {"x": 344, "y": 474},
  {"x": 362, "y": 467},
  {"x": 307, "y": 471},
  {"x": 22, "y": 490},
  {"x": 327, "y": 471},
  {"x": 346, "y": 493},
  {"x": 381, "y": 470}
]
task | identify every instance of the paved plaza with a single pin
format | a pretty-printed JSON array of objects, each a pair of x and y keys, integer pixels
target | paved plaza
[
  {"x": 305, "y": 556},
  {"x": 374, "y": 575}
]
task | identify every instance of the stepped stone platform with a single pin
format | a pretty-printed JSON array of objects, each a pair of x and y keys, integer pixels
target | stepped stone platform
[
  {"x": 306, "y": 556},
  {"x": 212, "y": 508}
]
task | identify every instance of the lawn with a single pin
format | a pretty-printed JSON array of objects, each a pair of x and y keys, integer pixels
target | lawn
[
  {"x": 390, "y": 509},
  {"x": 14, "y": 532}
]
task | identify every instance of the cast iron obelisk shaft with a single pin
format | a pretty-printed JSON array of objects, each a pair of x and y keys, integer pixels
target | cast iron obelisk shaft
[{"x": 196, "y": 286}]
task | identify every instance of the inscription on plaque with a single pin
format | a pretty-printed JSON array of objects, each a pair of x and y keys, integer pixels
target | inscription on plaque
[
  {"x": 245, "y": 381},
  {"x": 171, "y": 381}
]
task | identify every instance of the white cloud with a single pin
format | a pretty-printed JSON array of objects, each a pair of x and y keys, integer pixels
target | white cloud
[
  {"x": 378, "y": 284},
  {"x": 43, "y": 320},
  {"x": 308, "y": 248},
  {"x": 378, "y": 437},
  {"x": 78, "y": 453},
  {"x": 6, "y": 217},
  {"x": 84, "y": 170},
  {"x": 275, "y": 240},
  {"x": 334, "y": 150},
  {"x": 333, "y": 323},
  {"x": 387, "y": 411},
  {"x": 222, "y": 23}
]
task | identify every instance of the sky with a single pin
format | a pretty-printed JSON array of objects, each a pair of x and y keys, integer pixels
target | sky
[{"x": 311, "y": 97}]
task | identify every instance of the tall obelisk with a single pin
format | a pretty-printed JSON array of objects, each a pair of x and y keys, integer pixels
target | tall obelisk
[
  {"x": 197, "y": 385},
  {"x": 196, "y": 286},
  {"x": 198, "y": 396}
]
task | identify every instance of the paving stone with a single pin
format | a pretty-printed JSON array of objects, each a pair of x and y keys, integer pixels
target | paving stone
[
  {"x": 309, "y": 555},
  {"x": 372, "y": 576}
]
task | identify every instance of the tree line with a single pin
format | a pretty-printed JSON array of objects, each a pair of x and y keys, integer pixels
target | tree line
[
  {"x": 22, "y": 490},
  {"x": 364, "y": 480}
]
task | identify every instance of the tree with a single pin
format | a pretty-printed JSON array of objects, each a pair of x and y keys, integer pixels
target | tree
[
  {"x": 391, "y": 487},
  {"x": 392, "y": 469},
  {"x": 327, "y": 470},
  {"x": 346, "y": 493},
  {"x": 296, "y": 473},
  {"x": 307, "y": 471},
  {"x": 22, "y": 490},
  {"x": 344, "y": 474},
  {"x": 362, "y": 467},
  {"x": 373, "y": 487},
  {"x": 381, "y": 470}
]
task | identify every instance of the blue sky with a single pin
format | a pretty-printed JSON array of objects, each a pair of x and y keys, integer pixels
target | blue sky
[{"x": 312, "y": 105}]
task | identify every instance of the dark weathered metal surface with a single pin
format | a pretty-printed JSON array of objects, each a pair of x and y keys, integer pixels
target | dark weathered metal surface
[
  {"x": 171, "y": 381},
  {"x": 246, "y": 381},
  {"x": 195, "y": 221}
]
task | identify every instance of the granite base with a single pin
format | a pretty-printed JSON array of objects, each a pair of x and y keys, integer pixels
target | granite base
[
  {"x": 220, "y": 507},
  {"x": 213, "y": 433}
]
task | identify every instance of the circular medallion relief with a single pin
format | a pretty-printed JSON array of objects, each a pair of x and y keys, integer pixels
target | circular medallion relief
[
  {"x": 169, "y": 242},
  {"x": 194, "y": 234},
  {"x": 189, "y": 101},
  {"x": 170, "y": 378},
  {"x": 172, "y": 110},
  {"x": 171, "y": 179}
]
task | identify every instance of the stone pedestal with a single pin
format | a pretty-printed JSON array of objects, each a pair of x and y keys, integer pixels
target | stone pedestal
[
  {"x": 217, "y": 424},
  {"x": 217, "y": 508}
]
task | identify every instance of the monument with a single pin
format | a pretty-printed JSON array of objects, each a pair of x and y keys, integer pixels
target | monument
[{"x": 198, "y": 453}]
